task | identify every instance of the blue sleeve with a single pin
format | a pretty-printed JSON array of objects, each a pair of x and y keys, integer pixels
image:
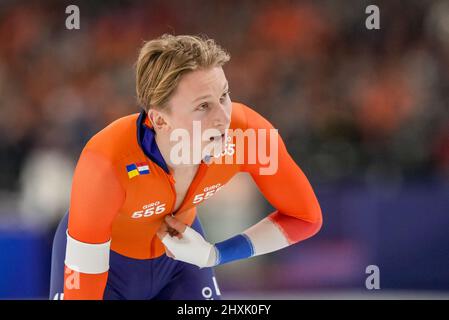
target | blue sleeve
[{"x": 235, "y": 248}]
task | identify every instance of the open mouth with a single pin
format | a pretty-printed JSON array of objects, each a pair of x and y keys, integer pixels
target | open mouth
[{"x": 217, "y": 138}]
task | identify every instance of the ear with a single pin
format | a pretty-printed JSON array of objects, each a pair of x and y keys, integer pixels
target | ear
[{"x": 158, "y": 119}]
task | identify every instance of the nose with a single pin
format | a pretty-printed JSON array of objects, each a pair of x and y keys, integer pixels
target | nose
[{"x": 222, "y": 117}]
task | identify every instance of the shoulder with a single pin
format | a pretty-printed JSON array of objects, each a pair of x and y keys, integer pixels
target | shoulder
[
  {"x": 245, "y": 117},
  {"x": 117, "y": 140}
]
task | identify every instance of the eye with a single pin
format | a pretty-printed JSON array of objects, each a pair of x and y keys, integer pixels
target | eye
[
  {"x": 203, "y": 107},
  {"x": 224, "y": 96}
]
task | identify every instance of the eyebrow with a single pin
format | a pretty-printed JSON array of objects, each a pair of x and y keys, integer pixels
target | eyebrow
[{"x": 208, "y": 95}]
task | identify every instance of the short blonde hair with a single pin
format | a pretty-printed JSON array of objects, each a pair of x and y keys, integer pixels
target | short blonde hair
[{"x": 163, "y": 61}]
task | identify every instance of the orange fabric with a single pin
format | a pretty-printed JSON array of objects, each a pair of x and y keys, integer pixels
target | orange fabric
[
  {"x": 107, "y": 204},
  {"x": 81, "y": 286},
  {"x": 294, "y": 229},
  {"x": 288, "y": 190}
]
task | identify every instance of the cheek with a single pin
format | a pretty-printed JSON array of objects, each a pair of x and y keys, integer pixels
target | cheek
[
  {"x": 183, "y": 122},
  {"x": 194, "y": 126},
  {"x": 198, "y": 116},
  {"x": 201, "y": 118},
  {"x": 229, "y": 110}
]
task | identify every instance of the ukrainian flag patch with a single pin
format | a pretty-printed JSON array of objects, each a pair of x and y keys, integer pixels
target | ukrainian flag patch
[{"x": 137, "y": 169}]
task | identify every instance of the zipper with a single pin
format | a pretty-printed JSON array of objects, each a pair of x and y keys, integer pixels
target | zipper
[
  {"x": 195, "y": 182},
  {"x": 171, "y": 181}
]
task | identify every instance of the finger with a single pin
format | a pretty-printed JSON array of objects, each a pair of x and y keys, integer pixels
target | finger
[
  {"x": 172, "y": 231},
  {"x": 161, "y": 234},
  {"x": 163, "y": 230},
  {"x": 164, "y": 226},
  {"x": 175, "y": 224}
]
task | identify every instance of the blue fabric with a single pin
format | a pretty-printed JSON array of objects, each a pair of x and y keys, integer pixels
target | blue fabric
[
  {"x": 235, "y": 248},
  {"x": 147, "y": 142},
  {"x": 160, "y": 278},
  {"x": 131, "y": 167}
]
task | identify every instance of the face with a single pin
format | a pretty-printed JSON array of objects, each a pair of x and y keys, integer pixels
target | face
[{"x": 200, "y": 100}]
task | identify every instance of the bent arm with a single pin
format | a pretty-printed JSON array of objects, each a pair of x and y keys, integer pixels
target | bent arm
[{"x": 297, "y": 215}]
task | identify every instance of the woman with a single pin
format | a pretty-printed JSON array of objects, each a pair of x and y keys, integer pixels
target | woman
[{"x": 131, "y": 231}]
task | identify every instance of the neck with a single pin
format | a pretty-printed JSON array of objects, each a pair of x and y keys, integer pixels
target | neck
[{"x": 165, "y": 146}]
